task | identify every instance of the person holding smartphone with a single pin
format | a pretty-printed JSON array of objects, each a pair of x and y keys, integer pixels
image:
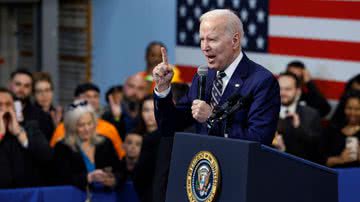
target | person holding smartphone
[
  {"x": 23, "y": 148},
  {"x": 84, "y": 158}
]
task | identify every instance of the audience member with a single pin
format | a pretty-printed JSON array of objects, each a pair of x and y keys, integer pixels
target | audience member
[
  {"x": 114, "y": 97},
  {"x": 84, "y": 158},
  {"x": 23, "y": 148},
  {"x": 132, "y": 147},
  {"x": 124, "y": 113},
  {"x": 44, "y": 94},
  {"x": 310, "y": 94},
  {"x": 104, "y": 128},
  {"x": 299, "y": 128},
  {"x": 145, "y": 168},
  {"x": 91, "y": 93},
  {"x": 352, "y": 84},
  {"x": 341, "y": 145},
  {"x": 20, "y": 85}
]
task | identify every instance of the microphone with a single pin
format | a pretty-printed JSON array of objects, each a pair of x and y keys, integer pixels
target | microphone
[
  {"x": 231, "y": 101},
  {"x": 202, "y": 72},
  {"x": 234, "y": 102}
]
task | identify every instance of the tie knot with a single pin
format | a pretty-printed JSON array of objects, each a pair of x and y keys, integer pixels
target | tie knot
[{"x": 221, "y": 75}]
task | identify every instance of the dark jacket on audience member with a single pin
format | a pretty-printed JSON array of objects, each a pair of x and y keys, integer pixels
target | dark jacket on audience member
[
  {"x": 303, "y": 141},
  {"x": 335, "y": 142},
  {"x": 22, "y": 167},
  {"x": 46, "y": 124},
  {"x": 71, "y": 168},
  {"x": 313, "y": 98},
  {"x": 145, "y": 169}
]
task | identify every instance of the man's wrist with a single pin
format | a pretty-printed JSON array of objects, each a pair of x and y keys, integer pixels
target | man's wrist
[
  {"x": 162, "y": 88},
  {"x": 162, "y": 94},
  {"x": 21, "y": 130}
]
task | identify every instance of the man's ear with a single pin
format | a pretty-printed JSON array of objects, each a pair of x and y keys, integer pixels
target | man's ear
[{"x": 236, "y": 40}]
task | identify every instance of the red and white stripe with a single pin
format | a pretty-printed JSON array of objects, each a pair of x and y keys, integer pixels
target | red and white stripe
[{"x": 325, "y": 35}]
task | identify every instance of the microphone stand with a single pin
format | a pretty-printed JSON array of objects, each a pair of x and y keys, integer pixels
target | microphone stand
[{"x": 226, "y": 116}]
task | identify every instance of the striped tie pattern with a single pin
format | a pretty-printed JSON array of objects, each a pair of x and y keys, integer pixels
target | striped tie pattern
[{"x": 216, "y": 91}]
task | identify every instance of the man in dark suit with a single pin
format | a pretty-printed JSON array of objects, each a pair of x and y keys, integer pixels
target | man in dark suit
[
  {"x": 221, "y": 33},
  {"x": 299, "y": 127}
]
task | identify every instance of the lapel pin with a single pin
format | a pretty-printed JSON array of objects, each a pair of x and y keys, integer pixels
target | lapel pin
[{"x": 237, "y": 85}]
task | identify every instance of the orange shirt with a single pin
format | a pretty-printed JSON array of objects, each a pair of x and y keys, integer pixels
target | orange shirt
[{"x": 103, "y": 128}]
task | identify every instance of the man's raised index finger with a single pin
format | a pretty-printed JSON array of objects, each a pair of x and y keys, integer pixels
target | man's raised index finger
[{"x": 164, "y": 55}]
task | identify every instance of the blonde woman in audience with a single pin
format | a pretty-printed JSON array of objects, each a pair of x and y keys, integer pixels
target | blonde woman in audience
[{"x": 84, "y": 158}]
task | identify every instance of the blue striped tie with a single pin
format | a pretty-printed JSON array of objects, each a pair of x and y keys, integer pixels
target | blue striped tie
[{"x": 216, "y": 91}]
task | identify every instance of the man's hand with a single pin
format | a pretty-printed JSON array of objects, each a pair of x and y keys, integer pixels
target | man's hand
[
  {"x": 201, "y": 111},
  {"x": 163, "y": 73},
  {"x": 14, "y": 126},
  {"x": 295, "y": 119},
  {"x": 306, "y": 76},
  {"x": 346, "y": 156},
  {"x": 278, "y": 142},
  {"x": 115, "y": 107},
  {"x": 2, "y": 123}
]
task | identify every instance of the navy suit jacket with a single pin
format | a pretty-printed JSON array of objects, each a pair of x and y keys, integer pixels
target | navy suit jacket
[{"x": 257, "y": 122}]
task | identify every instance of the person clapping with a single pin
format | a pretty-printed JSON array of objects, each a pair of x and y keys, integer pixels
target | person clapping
[{"x": 23, "y": 148}]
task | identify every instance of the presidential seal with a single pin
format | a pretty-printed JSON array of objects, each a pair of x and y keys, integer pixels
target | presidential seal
[{"x": 203, "y": 178}]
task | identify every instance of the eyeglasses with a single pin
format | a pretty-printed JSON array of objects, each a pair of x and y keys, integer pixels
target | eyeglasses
[{"x": 77, "y": 104}]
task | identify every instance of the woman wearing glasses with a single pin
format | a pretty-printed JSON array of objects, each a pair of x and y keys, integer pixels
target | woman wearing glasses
[{"x": 83, "y": 158}]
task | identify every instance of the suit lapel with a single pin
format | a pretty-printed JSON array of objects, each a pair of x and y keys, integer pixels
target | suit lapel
[{"x": 237, "y": 79}]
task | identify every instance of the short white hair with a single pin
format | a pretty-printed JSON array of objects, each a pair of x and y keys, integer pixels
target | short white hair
[
  {"x": 74, "y": 112},
  {"x": 233, "y": 22}
]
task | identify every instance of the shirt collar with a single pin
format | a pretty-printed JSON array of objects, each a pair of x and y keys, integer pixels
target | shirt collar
[
  {"x": 231, "y": 68},
  {"x": 284, "y": 110}
]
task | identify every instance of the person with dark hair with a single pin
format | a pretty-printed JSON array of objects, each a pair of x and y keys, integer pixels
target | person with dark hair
[
  {"x": 352, "y": 84},
  {"x": 90, "y": 93},
  {"x": 132, "y": 146},
  {"x": 299, "y": 128},
  {"x": 116, "y": 92},
  {"x": 24, "y": 150},
  {"x": 310, "y": 94},
  {"x": 21, "y": 85},
  {"x": 145, "y": 169},
  {"x": 341, "y": 140},
  {"x": 113, "y": 112},
  {"x": 43, "y": 94}
]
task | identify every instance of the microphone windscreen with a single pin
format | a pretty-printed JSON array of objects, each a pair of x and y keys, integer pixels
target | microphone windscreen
[{"x": 202, "y": 70}]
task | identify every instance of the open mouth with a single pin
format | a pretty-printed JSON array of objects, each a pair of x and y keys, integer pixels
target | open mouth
[{"x": 211, "y": 58}]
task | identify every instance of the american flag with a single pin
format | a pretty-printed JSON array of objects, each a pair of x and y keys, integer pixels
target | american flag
[{"x": 325, "y": 35}]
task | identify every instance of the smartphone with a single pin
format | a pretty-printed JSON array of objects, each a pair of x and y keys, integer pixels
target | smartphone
[
  {"x": 108, "y": 169},
  {"x": 18, "y": 111}
]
